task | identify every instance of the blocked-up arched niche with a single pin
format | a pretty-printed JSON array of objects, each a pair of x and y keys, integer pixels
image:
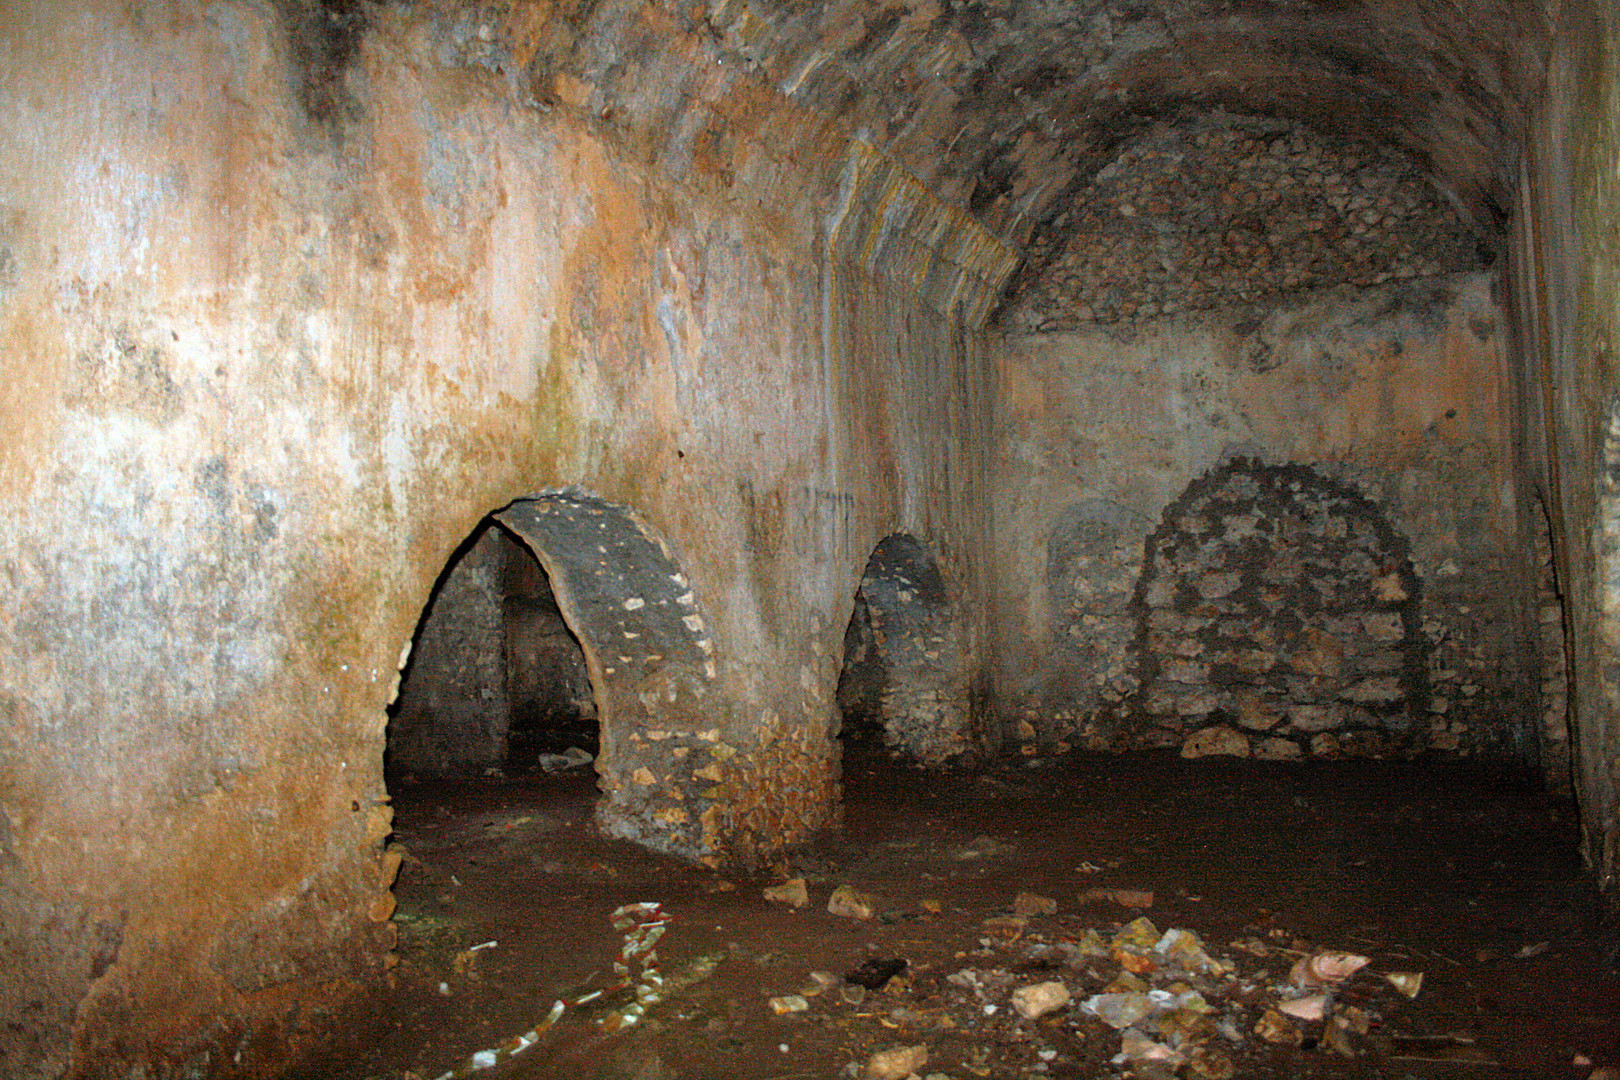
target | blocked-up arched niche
[
  {"x": 906, "y": 682},
  {"x": 1278, "y": 615},
  {"x": 497, "y": 637}
]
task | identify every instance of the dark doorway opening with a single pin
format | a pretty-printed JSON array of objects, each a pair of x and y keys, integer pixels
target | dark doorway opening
[
  {"x": 904, "y": 685},
  {"x": 497, "y": 682}
]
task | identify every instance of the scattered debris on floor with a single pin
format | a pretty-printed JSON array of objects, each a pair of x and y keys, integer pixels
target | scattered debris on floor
[
  {"x": 1145, "y": 1001},
  {"x": 1085, "y": 924},
  {"x": 572, "y": 758},
  {"x": 642, "y": 924}
]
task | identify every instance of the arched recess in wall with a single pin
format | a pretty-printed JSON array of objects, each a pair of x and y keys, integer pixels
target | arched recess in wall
[
  {"x": 1278, "y": 615},
  {"x": 906, "y": 683},
  {"x": 493, "y": 632}
]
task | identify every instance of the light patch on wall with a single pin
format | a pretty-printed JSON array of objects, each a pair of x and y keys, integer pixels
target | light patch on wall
[
  {"x": 117, "y": 203},
  {"x": 398, "y": 460}
]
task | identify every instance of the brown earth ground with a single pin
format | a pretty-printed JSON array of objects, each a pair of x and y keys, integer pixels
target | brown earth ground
[{"x": 1450, "y": 870}]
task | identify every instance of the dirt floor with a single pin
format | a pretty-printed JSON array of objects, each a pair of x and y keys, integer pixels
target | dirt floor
[{"x": 1456, "y": 873}]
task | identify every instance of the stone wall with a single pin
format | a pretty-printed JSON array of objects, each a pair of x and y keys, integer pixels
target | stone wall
[
  {"x": 290, "y": 308},
  {"x": 548, "y": 683},
  {"x": 1221, "y": 210},
  {"x": 906, "y": 676},
  {"x": 1278, "y": 614},
  {"x": 1390, "y": 400},
  {"x": 453, "y": 711}
]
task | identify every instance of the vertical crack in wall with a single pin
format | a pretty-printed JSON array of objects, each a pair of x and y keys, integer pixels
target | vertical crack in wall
[{"x": 1555, "y": 749}]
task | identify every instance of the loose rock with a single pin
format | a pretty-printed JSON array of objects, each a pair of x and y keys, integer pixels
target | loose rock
[
  {"x": 1215, "y": 741},
  {"x": 896, "y": 1064},
  {"x": 1036, "y": 1001},
  {"x": 1134, "y": 898},
  {"x": 1028, "y": 903},
  {"x": 1276, "y": 1028},
  {"x": 850, "y": 902},
  {"x": 792, "y": 893}
]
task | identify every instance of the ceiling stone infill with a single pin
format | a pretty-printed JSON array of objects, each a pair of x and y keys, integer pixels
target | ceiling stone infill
[{"x": 1219, "y": 211}]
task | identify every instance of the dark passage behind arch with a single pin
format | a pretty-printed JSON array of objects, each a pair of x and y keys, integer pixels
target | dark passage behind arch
[{"x": 904, "y": 681}]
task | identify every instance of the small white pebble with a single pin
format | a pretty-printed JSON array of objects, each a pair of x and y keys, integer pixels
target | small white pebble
[{"x": 990, "y": 1010}]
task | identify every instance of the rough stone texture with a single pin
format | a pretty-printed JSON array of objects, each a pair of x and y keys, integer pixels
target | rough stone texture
[
  {"x": 293, "y": 296},
  {"x": 1277, "y": 600},
  {"x": 906, "y": 676},
  {"x": 662, "y": 759},
  {"x": 453, "y": 710},
  {"x": 1216, "y": 741},
  {"x": 1034, "y": 1002},
  {"x": 293, "y": 305},
  {"x": 1229, "y": 210},
  {"x": 1395, "y": 394}
]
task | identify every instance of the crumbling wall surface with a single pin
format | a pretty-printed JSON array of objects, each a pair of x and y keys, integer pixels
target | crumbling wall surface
[
  {"x": 453, "y": 711},
  {"x": 291, "y": 298},
  {"x": 1392, "y": 395},
  {"x": 1566, "y": 276}
]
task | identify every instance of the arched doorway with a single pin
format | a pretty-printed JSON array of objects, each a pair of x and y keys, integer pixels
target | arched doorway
[
  {"x": 564, "y": 619},
  {"x": 905, "y": 684},
  {"x": 497, "y": 684}
]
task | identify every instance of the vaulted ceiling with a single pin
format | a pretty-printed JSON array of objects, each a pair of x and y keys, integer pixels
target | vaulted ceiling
[{"x": 1006, "y": 107}]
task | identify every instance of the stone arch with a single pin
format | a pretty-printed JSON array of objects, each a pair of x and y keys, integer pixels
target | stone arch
[
  {"x": 645, "y": 645},
  {"x": 906, "y": 679},
  {"x": 1278, "y": 614}
]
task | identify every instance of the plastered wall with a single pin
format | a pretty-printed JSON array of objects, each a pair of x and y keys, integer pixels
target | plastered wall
[
  {"x": 1565, "y": 266},
  {"x": 290, "y": 306}
]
